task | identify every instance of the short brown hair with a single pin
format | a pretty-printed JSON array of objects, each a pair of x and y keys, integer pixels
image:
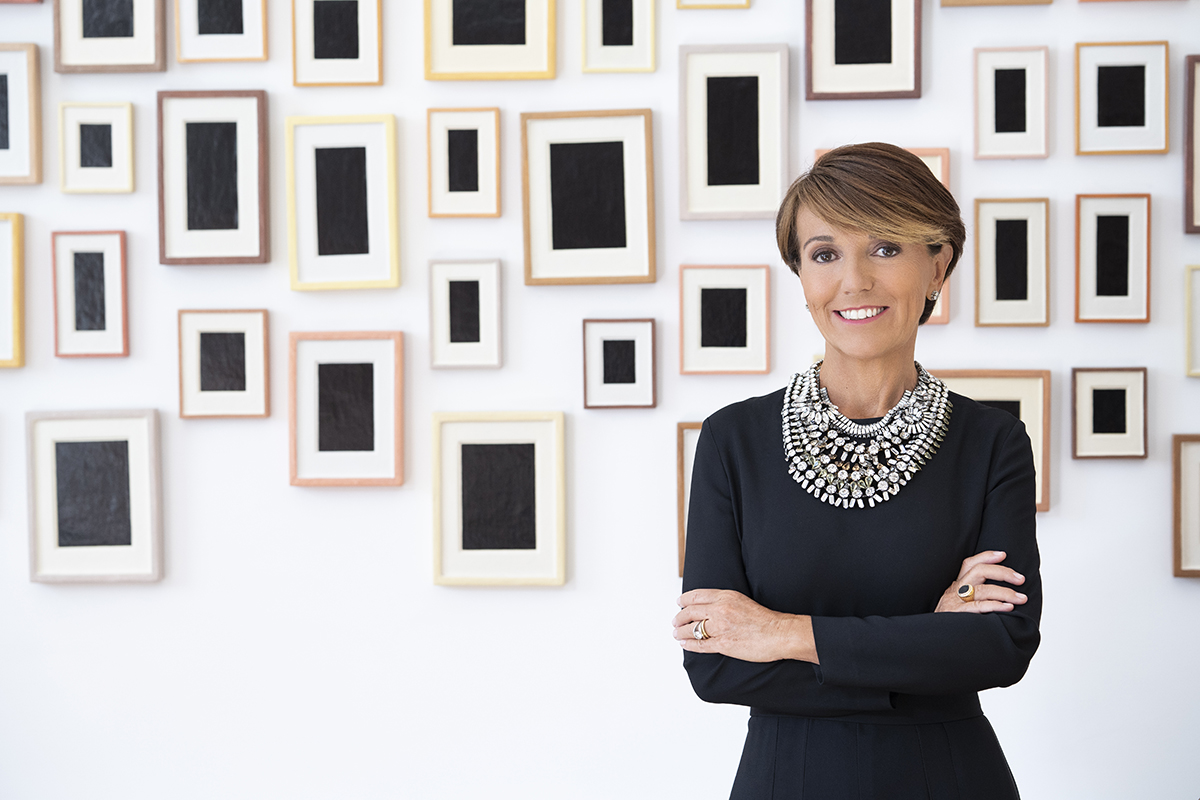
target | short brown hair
[{"x": 879, "y": 189}]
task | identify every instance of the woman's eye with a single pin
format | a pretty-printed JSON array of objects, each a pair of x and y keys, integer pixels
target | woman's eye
[
  {"x": 888, "y": 250},
  {"x": 823, "y": 256}
]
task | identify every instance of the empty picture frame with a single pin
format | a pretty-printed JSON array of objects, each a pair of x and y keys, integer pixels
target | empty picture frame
[
  {"x": 12, "y": 290},
  {"x": 337, "y": 42},
  {"x": 724, "y": 319},
  {"x": 343, "y": 218},
  {"x": 1023, "y": 393},
  {"x": 1191, "y": 130},
  {"x": 1192, "y": 332},
  {"x": 213, "y": 192},
  {"x": 95, "y": 147},
  {"x": 94, "y": 496},
  {"x": 587, "y": 181},
  {"x": 91, "y": 316},
  {"x": 464, "y": 314},
  {"x": 686, "y": 436},
  {"x": 464, "y": 162},
  {"x": 345, "y": 409},
  {"x": 109, "y": 36},
  {"x": 1185, "y": 450},
  {"x": 224, "y": 363},
  {"x": 618, "y": 35},
  {"x": 21, "y": 112},
  {"x": 1112, "y": 258},
  {"x": 862, "y": 49},
  {"x": 1012, "y": 106},
  {"x": 499, "y": 499},
  {"x": 474, "y": 40},
  {"x": 1108, "y": 412},
  {"x": 1012, "y": 262},
  {"x": 220, "y": 30},
  {"x": 1121, "y": 102},
  {"x": 619, "y": 363},
  {"x": 733, "y": 142}
]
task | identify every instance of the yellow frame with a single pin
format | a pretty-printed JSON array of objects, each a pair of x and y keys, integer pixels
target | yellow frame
[
  {"x": 1166, "y": 148},
  {"x": 551, "y": 53},
  {"x": 62, "y": 148},
  {"x": 18, "y": 311},
  {"x": 680, "y": 5},
  {"x": 389, "y": 123},
  {"x": 379, "y": 37},
  {"x": 653, "y": 41},
  {"x": 179, "y": 43},
  {"x": 32, "y": 62},
  {"x": 429, "y": 161},
  {"x": 1190, "y": 319},
  {"x": 560, "y": 494}
]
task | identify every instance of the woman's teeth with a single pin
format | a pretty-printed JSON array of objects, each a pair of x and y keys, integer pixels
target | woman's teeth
[{"x": 860, "y": 313}]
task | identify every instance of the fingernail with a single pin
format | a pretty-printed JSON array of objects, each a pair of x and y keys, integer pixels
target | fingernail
[
  {"x": 997, "y": 552},
  {"x": 1020, "y": 577},
  {"x": 1023, "y": 597}
]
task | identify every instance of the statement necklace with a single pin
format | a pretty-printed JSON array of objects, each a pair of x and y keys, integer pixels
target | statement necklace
[{"x": 845, "y": 464}]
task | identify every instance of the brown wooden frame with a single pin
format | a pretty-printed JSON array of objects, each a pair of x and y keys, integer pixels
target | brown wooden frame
[
  {"x": 1075, "y": 371},
  {"x": 681, "y": 488},
  {"x": 266, "y": 361},
  {"x": 811, "y": 94},
  {"x": 264, "y": 183},
  {"x": 35, "y": 114},
  {"x": 124, "y": 291},
  {"x": 653, "y": 362},
  {"x": 1191, "y": 150},
  {"x": 1166, "y": 98},
  {"x": 1078, "y": 240},
  {"x": 1177, "y": 442},
  {"x": 160, "y": 46},
  {"x": 979, "y": 201}
]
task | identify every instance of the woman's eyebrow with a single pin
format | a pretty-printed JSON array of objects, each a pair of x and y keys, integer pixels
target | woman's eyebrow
[{"x": 818, "y": 239}]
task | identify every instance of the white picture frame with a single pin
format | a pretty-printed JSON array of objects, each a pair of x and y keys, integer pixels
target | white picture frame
[
  {"x": 620, "y": 364},
  {"x": 12, "y": 290},
  {"x": 91, "y": 315},
  {"x": 1191, "y": 288},
  {"x": 619, "y": 45},
  {"x": 462, "y": 185},
  {"x": 108, "y": 43},
  {"x": 464, "y": 321},
  {"x": 1012, "y": 102},
  {"x": 219, "y": 39},
  {"x": 724, "y": 332},
  {"x": 483, "y": 51},
  {"x": 1112, "y": 282},
  {"x": 1109, "y": 117},
  {"x": 861, "y": 74},
  {"x": 88, "y": 164},
  {"x": 224, "y": 363},
  {"x": 21, "y": 158},
  {"x": 324, "y": 60},
  {"x": 95, "y": 496},
  {"x": 1010, "y": 231},
  {"x": 1108, "y": 412}
]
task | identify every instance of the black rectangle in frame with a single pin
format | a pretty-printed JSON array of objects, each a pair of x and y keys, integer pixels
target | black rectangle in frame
[
  {"x": 342, "y": 225},
  {"x": 1009, "y": 87},
  {"x": 1121, "y": 96},
  {"x": 617, "y": 24},
  {"x": 499, "y": 497},
  {"x": 93, "y": 494},
  {"x": 345, "y": 407},
  {"x": 620, "y": 361},
  {"x": 1011, "y": 406},
  {"x": 4, "y": 112},
  {"x": 463, "y": 155},
  {"x": 862, "y": 31},
  {"x": 218, "y": 17},
  {"x": 1108, "y": 411},
  {"x": 733, "y": 158},
  {"x": 212, "y": 176},
  {"x": 1112, "y": 256},
  {"x": 488, "y": 21},
  {"x": 335, "y": 29},
  {"x": 723, "y": 317},
  {"x": 95, "y": 146},
  {"x": 89, "y": 292},
  {"x": 107, "y": 19},
  {"x": 464, "y": 311},
  {"x": 222, "y": 361},
  {"x": 587, "y": 195},
  {"x": 1012, "y": 259}
]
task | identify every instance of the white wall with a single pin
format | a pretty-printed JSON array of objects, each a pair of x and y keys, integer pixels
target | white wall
[{"x": 297, "y": 647}]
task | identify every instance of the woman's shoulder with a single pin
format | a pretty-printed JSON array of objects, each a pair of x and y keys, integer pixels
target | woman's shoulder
[
  {"x": 748, "y": 413},
  {"x": 983, "y": 420}
]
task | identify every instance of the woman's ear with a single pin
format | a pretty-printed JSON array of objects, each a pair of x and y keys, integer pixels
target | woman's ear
[{"x": 941, "y": 262}]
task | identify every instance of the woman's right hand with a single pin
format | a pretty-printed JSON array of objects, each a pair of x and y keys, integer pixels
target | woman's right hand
[{"x": 988, "y": 597}]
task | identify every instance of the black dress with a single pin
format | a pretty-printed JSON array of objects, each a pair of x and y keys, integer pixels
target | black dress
[{"x": 892, "y": 709}]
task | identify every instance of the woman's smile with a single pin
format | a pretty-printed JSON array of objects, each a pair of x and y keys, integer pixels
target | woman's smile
[{"x": 860, "y": 314}]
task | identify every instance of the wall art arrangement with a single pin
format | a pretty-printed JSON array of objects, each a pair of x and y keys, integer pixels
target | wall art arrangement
[
  {"x": 464, "y": 314},
  {"x": 1121, "y": 98},
  {"x": 472, "y": 40},
  {"x": 1012, "y": 102},
  {"x": 95, "y": 153},
  {"x": 90, "y": 313},
  {"x": 1108, "y": 412},
  {"x": 107, "y": 36},
  {"x": 21, "y": 107},
  {"x": 1112, "y": 258},
  {"x": 619, "y": 363},
  {"x": 221, "y": 30},
  {"x": 725, "y": 319},
  {"x": 1012, "y": 262},
  {"x": 224, "y": 362},
  {"x": 686, "y": 436},
  {"x": 618, "y": 35},
  {"x": 862, "y": 49},
  {"x": 12, "y": 290},
  {"x": 337, "y": 43},
  {"x": 464, "y": 162},
  {"x": 1186, "y": 459}
]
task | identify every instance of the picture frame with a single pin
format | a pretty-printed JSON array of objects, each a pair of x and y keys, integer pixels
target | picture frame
[
  {"x": 95, "y": 153},
  {"x": 213, "y": 178},
  {"x": 936, "y": 158},
  {"x": 346, "y": 427},
  {"x": 478, "y": 41},
  {"x": 1192, "y": 331},
  {"x": 227, "y": 31},
  {"x": 620, "y": 363},
  {"x": 587, "y": 192},
  {"x": 1012, "y": 262},
  {"x": 1121, "y": 98},
  {"x": 686, "y": 436},
  {"x": 1112, "y": 258},
  {"x": 707, "y": 4},
  {"x": 1191, "y": 190},
  {"x": 1024, "y": 393},
  {"x": 949, "y": 3},
  {"x": 1185, "y": 449},
  {"x": 95, "y": 496},
  {"x": 342, "y": 193},
  {"x": 1108, "y": 412},
  {"x": 734, "y": 162},
  {"x": 464, "y": 162},
  {"x": 118, "y": 37},
  {"x": 865, "y": 57},
  {"x": 619, "y": 37},
  {"x": 1012, "y": 102},
  {"x": 91, "y": 314},
  {"x": 724, "y": 319},
  {"x": 337, "y": 43},
  {"x": 224, "y": 363},
  {"x": 499, "y": 499},
  {"x": 20, "y": 1},
  {"x": 21, "y": 155},
  {"x": 465, "y": 323},
  {"x": 12, "y": 290}
]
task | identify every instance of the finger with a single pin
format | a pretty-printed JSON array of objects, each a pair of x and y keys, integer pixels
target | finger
[
  {"x": 988, "y": 606},
  {"x": 986, "y": 557},
  {"x": 689, "y": 616},
  {"x": 1000, "y": 594},
  {"x": 992, "y": 572},
  {"x": 688, "y": 631},
  {"x": 699, "y": 597}
]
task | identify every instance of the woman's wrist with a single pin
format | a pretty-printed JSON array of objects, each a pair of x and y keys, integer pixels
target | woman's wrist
[{"x": 796, "y": 638}]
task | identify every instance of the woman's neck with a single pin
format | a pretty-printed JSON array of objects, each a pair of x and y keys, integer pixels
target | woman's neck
[{"x": 862, "y": 389}]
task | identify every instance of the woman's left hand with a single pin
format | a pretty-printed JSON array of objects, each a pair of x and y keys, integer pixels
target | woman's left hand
[{"x": 741, "y": 628}]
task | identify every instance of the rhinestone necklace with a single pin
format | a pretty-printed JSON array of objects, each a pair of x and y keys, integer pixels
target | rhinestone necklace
[{"x": 843, "y": 463}]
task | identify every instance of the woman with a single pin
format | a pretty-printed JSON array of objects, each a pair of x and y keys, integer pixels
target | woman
[{"x": 859, "y": 578}]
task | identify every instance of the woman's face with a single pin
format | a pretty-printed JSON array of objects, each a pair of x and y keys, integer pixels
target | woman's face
[{"x": 865, "y": 293}]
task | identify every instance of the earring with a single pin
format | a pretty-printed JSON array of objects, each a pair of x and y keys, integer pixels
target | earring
[
  {"x": 936, "y": 294},
  {"x": 806, "y": 308}
]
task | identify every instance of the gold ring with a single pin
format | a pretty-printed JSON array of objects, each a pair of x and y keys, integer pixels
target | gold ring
[
  {"x": 698, "y": 631},
  {"x": 966, "y": 592}
]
